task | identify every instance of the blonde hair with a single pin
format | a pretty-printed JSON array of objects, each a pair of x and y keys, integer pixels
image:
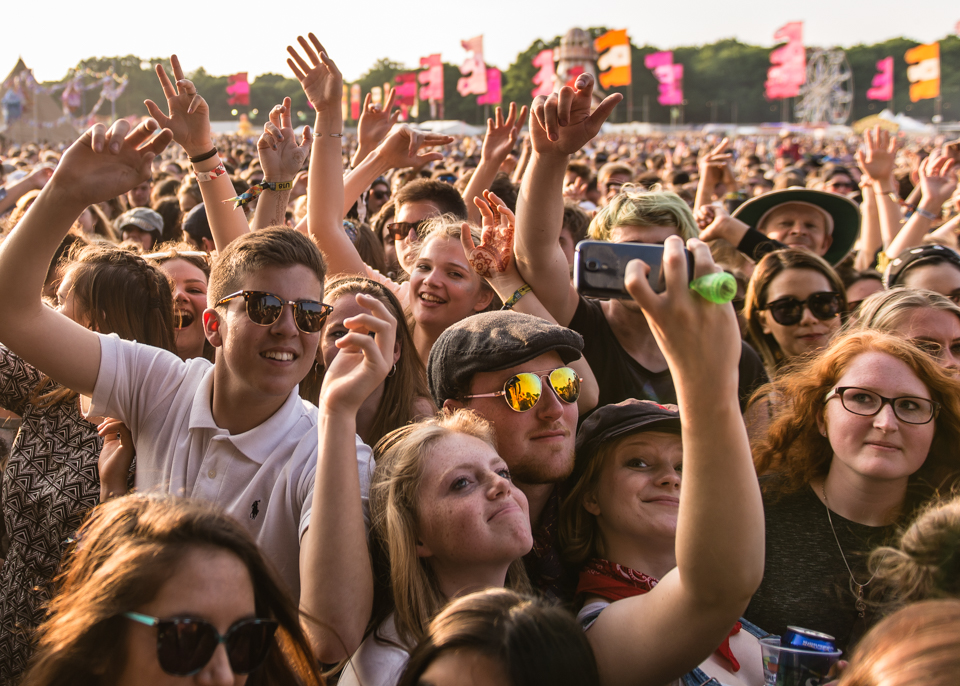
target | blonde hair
[
  {"x": 885, "y": 310},
  {"x": 406, "y": 584},
  {"x": 634, "y": 207}
]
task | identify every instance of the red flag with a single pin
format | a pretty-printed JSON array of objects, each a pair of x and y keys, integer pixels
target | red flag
[{"x": 355, "y": 101}]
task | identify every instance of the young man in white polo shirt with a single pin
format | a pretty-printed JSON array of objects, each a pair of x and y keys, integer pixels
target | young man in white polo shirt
[{"x": 235, "y": 433}]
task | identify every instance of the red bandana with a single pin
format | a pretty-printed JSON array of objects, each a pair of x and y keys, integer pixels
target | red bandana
[{"x": 616, "y": 582}]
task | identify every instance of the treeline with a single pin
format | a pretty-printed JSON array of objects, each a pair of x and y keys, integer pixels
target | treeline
[{"x": 723, "y": 82}]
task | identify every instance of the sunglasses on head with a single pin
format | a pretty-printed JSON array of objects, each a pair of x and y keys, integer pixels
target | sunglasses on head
[
  {"x": 522, "y": 391},
  {"x": 400, "y": 230},
  {"x": 789, "y": 311},
  {"x": 185, "y": 646},
  {"x": 265, "y": 308}
]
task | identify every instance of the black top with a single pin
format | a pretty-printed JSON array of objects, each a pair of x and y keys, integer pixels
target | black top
[
  {"x": 755, "y": 245},
  {"x": 620, "y": 376},
  {"x": 805, "y": 582}
]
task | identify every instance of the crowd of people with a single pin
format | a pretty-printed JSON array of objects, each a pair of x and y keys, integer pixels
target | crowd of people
[{"x": 329, "y": 408}]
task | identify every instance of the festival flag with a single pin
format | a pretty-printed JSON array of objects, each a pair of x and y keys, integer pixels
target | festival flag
[
  {"x": 474, "y": 69},
  {"x": 789, "y": 70},
  {"x": 238, "y": 89},
  {"x": 924, "y": 72},
  {"x": 345, "y": 103},
  {"x": 544, "y": 79},
  {"x": 376, "y": 95},
  {"x": 669, "y": 75},
  {"x": 882, "y": 86},
  {"x": 614, "y": 62},
  {"x": 355, "y": 101},
  {"x": 431, "y": 78},
  {"x": 405, "y": 93},
  {"x": 492, "y": 96}
]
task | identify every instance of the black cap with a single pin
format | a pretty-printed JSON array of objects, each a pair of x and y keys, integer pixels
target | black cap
[
  {"x": 489, "y": 342},
  {"x": 914, "y": 257},
  {"x": 620, "y": 419},
  {"x": 196, "y": 223}
]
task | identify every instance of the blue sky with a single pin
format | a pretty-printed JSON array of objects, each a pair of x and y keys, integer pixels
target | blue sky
[{"x": 242, "y": 35}]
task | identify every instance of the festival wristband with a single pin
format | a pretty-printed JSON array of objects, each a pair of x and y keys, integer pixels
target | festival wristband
[
  {"x": 258, "y": 188},
  {"x": 214, "y": 173},
  {"x": 927, "y": 215},
  {"x": 515, "y": 298}
]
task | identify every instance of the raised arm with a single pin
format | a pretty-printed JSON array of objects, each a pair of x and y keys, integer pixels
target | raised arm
[
  {"x": 938, "y": 181},
  {"x": 877, "y": 159},
  {"x": 335, "y": 569},
  {"x": 657, "y": 637},
  {"x": 188, "y": 118},
  {"x": 100, "y": 165},
  {"x": 713, "y": 168},
  {"x": 559, "y": 126},
  {"x": 14, "y": 190},
  {"x": 374, "y": 125},
  {"x": 281, "y": 159},
  {"x": 499, "y": 140}
]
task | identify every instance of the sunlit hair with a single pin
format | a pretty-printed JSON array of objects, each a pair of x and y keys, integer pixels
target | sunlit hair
[
  {"x": 794, "y": 447},
  {"x": 925, "y": 563},
  {"x": 534, "y": 643},
  {"x": 406, "y": 385},
  {"x": 406, "y": 584},
  {"x": 116, "y": 291},
  {"x": 634, "y": 207},
  {"x": 447, "y": 227},
  {"x": 276, "y": 246},
  {"x": 180, "y": 250},
  {"x": 888, "y": 310},
  {"x": 917, "y": 645},
  {"x": 126, "y": 551},
  {"x": 772, "y": 265}
]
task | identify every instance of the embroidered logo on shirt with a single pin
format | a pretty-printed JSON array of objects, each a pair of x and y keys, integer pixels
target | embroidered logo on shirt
[{"x": 255, "y": 509}]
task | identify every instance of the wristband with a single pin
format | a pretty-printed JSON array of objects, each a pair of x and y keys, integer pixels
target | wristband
[
  {"x": 214, "y": 173},
  {"x": 927, "y": 215},
  {"x": 515, "y": 298},
  {"x": 332, "y": 135},
  {"x": 277, "y": 185},
  {"x": 204, "y": 156},
  {"x": 257, "y": 189}
]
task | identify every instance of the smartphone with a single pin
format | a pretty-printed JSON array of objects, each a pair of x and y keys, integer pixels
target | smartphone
[{"x": 599, "y": 267}]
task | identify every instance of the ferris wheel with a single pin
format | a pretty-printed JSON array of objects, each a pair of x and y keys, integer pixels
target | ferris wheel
[{"x": 827, "y": 95}]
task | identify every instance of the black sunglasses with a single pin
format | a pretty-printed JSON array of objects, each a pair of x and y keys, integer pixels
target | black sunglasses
[
  {"x": 400, "y": 230},
  {"x": 789, "y": 311},
  {"x": 185, "y": 646},
  {"x": 265, "y": 308}
]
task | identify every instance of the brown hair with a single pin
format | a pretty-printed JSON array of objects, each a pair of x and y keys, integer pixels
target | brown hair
[
  {"x": 276, "y": 246},
  {"x": 772, "y": 265},
  {"x": 126, "y": 551},
  {"x": 406, "y": 584},
  {"x": 917, "y": 645},
  {"x": 794, "y": 448},
  {"x": 447, "y": 198}
]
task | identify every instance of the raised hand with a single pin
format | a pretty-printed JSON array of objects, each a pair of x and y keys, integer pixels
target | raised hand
[
  {"x": 715, "y": 164},
  {"x": 188, "y": 116},
  {"x": 576, "y": 190},
  {"x": 115, "y": 459},
  {"x": 320, "y": 79},
  {"x": 502, "y": 133},
  {"x": 493, "y": 258},
  {"x": 105, "y": 163},
  {"x": 878, "y": 157},
  {"x": 376, "y": 121},
  {"x": 280, "y": 156},
  {"x": 938, "y": 180},
  {"x": 715, "y": 223},
  {"x": 401, "y": 148},
  {"x": 562, "y": 123}
]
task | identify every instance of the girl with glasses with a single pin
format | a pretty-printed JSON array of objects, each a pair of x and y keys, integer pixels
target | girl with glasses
[
  {"x": 161, "y": 588},
  {"x": 869, "y": 432},
  {"x": 793, "y": 306}
]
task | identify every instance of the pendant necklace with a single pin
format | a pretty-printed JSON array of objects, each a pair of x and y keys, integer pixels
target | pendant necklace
[{"x": 860, "y": 604}]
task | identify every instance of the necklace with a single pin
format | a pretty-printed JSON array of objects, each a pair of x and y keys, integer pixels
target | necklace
[{"x": 860, "y": 604}]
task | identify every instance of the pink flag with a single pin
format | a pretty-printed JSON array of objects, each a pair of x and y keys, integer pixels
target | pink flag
[
  {"x": 789, "y": 63},
  {"x": 238, "y": 89},
  {"x": 355, "y": 101},
  {"x": 669, "y": 75},
  {"x": 431, "y": 78},
  {"x": 882, "y": 86},
  {"x": 492, "y": 96},
  {"x": 658, "y": 59},
  {"x": 474, "y": 69},
  {"x": 543, "y": 80}
]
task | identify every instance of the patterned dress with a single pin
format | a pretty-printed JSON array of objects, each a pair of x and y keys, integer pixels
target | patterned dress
[{"x": 50, "y": 483}]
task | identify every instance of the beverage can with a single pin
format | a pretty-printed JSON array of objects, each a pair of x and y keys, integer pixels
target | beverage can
[{"x": 798, "y": 637}]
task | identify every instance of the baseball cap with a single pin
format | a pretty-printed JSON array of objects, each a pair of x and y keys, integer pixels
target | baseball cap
[{"x": 143, "y": 218}]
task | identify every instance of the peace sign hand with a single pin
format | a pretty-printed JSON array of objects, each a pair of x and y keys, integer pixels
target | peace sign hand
[{"x": 188, "y": 114}]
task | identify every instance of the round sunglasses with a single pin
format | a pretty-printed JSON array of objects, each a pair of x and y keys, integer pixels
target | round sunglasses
[
  {"x": 789, "y": 311},
  {"x": 522, "y": 391},
  {"x": 185, "y": 646},
  {"x": 265, "y": 309}
]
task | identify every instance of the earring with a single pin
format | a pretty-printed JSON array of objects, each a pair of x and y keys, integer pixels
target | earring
[{"x": 393, "y": 371}]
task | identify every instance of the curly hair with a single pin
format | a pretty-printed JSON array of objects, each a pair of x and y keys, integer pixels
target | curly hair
[{"x": 794, "y": 448}]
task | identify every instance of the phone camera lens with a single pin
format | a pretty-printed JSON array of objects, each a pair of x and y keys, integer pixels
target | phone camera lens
[{"x": 592, "y": 266}]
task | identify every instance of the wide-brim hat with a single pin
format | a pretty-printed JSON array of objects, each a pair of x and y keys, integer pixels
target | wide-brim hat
[{"x": 845, "y": 214}]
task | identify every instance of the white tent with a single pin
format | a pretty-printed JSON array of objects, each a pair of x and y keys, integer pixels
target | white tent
[{"x": 450, "y": 127}]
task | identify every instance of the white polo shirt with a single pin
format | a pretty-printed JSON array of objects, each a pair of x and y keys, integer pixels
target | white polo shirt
[{"x": 264, "y": 477}]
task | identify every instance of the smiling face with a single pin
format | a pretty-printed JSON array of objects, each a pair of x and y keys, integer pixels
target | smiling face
[
  {"x": 189, "y": 300},
  {"x": 882, "y": 447},
  {"x": 264, "y": 363},
  {"x": 798, "y": 226},
  {"x": 538, "y": 444},
  {"x": 443, "y": 287},
  {"x": 211, "y": 584},
  {"x": 810, "y": 333},
  {"x": 637, "y": 496},
  {"x": 412, "y": 212},
  {"x": 470, "y": 513}
]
